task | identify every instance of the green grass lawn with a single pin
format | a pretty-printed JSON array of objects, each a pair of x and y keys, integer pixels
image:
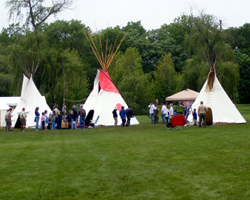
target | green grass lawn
[{"x": 139, "y": 162}]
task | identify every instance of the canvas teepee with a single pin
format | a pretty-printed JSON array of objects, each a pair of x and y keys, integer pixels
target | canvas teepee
[
  {"x": 104, "y": 96},
  {"x": 222, "y": 108},
  {"x": 30, "y": 99}
]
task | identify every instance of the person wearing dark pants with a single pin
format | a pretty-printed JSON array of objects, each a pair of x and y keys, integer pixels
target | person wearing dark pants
[
  {"x": 202, "y": 114},
  {"x": 129, "y": 115},
  {"x": 123, "y": 116},
  {"x": 115, "y": 116},
  {"x": 167, "y": 116},
  {"x": 57, "y": 113},
  {"x": 82, "y": 114}
]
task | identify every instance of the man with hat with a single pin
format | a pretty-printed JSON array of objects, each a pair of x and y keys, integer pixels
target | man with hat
[
  {"x": 23, "y": 119},
  {"x": 8, "y": 119}
]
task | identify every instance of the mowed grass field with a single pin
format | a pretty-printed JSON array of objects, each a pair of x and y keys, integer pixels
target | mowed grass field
[{"x": 139, "y": 162}]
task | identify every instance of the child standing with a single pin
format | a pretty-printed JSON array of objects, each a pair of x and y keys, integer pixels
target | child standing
[
  {"x": 195, "y": 117},
  {"x": 43, "y": 120}
]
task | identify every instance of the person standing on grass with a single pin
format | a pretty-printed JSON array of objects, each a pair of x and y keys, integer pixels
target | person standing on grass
[
  {"x": 23, "y": 119},
  {"x": 156, "y": 110},
  {"x": 129, "y": 115},
  {"x": 53, "y": 120},
  {"x": 114, "y": 112},
  {"x": 171, "y": 113},
  {"x": 82, "y": 114},
  {"x": 74, "y": 117},
  {"x": 69, "y": 119},
  {"x": 202, "y": 110},
  {"x": 123, "y": 116},
  {"x": 186, "y": 112},
  {"x": 43, "y": 120},
  {"x": 167, "y": 116},
  {"x": 37, "y": 114},
  {"x": 163, "y": 112},
  {"x": 8, "y": 119},
  {"x": 57, "y": 113},
  {"x": 151, "y": 111},
  {"x": 195, "y": 117},
  {"x": 46, "y": 120}
]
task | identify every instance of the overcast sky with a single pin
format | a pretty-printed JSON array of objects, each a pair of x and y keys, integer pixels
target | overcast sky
[{"x": 100, "y": 14}]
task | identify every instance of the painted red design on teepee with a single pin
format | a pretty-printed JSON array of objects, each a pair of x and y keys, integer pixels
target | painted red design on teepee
[
  {"x": 106, "y": 83},
  {"x": 118, "y": 107}
]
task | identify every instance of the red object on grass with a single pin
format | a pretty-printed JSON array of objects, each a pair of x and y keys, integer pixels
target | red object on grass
[{"x": 178, "y": 120}]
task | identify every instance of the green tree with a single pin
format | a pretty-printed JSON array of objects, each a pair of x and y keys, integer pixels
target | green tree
[
  {"x": 166, "y": 78},
  {"x": 244, "y": 83},
  {"x": 127, "y": 74},
  {"x": 76, "y": 83},
  {"x": 5, "y": 75},
  {"x": 36, "y": 14}
]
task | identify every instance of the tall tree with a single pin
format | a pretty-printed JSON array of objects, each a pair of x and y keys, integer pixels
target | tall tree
[
  {"x": 166, "y": 78},
  {"x": 126, "y": 72},
  {"x": 36, "y": 14}
]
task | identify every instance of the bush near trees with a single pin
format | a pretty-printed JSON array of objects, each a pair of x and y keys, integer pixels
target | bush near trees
[{"x": 150, "y": 63}]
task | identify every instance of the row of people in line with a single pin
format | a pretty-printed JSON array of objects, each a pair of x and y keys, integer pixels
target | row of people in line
[{"x": 57, "y": 117}]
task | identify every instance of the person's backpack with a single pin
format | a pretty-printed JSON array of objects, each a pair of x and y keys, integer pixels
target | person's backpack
[
  {"x": 53, "y": 119},
  {"x": 71, "y": 112},
  {"x": 82, "y": 113}
]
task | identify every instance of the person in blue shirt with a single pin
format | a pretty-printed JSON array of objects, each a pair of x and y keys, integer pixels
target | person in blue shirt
[
  {"x": 186, "y": 112},
  {"x": 195, "y": 117},
  {"x": 37, "y": 114},
  {"x": 123, "y": 116}
]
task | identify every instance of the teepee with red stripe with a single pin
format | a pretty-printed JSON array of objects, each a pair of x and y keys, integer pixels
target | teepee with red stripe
[{"x": 105, "y": 97}]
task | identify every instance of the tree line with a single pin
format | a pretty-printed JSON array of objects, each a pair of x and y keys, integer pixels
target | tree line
[{"x": 150, "y": 63}]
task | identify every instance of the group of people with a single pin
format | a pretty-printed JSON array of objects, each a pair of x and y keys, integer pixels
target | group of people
[
  {"x": 75, "y": 117},
  {"x": 167, "y": 114},
  {"x": 22, "y": 116},
  {"x": 125, "y": 115},
  {"x": 57, "y": 117}
]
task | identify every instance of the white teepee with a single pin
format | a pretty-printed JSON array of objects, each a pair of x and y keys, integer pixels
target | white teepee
[
  {"x": 30, "y": 99},
  {"x": 103, "y": 99},
  {"x": 3, "y": 110},
  {"x": 223, "y": 109}
]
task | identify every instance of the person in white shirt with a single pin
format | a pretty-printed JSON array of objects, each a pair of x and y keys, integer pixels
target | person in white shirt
[
  {"x": 163, "y": 112},
  {"x": 167, "y": 116},
  {"x": 151, "y": 111},
  {"x": 171, "y": 113}
]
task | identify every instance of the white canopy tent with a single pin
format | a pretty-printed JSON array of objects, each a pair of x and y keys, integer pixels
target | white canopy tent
[
  {"x": 30, "y": 99},
  {"x": 10, "y": 101},
  {"x": 223, "y": 109},
  {"x": 3, "y": 110},
  {"x": 184, "y": 95},
  {"x": 103, "y": 99}
]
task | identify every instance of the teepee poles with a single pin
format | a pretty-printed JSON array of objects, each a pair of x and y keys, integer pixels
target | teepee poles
[{"x": 104, "y": 55}]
